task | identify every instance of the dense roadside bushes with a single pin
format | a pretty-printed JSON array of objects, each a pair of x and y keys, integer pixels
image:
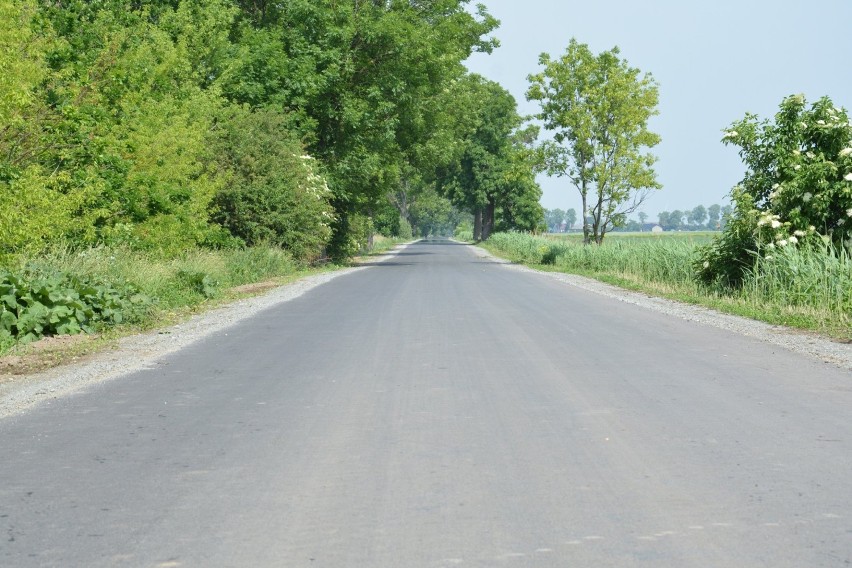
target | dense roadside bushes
[
  {"x": 796, "y": 193},
  {"x": 164, "y": 126}
]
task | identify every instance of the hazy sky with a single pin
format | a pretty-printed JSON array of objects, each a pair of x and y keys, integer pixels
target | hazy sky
[{"x": 714, "y": 62}]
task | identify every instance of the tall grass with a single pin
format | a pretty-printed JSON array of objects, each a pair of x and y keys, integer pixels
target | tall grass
[
  {"x": 665, "y": 261},
  {"x": 805, "y": 277},
  {"x": 182, "y": 282},
  {"x": 804, "y": 287}
]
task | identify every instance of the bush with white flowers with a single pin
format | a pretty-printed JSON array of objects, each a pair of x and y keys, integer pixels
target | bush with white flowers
[{"x": 797, "y": 188}]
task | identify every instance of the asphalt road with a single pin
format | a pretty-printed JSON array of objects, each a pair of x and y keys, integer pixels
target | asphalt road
[{"x": 439, "y": 410}]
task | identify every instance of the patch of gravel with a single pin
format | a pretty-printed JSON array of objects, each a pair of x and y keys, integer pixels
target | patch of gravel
[
  {"x": 805, "y": 343},
  {"x": 142, "y": 351}
]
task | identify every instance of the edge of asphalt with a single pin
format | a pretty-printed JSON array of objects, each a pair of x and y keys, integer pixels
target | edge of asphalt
[
  {"x": 141, "y": 351},
  {"x": 804, "y": 343}
]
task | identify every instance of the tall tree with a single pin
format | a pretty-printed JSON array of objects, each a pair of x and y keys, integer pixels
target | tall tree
[
  {"x": 365, "y": 82},
  {"x": 598, "y": 109},
  {"x": 675, "y": 219},
  {"x": 495, "y": 175},
  {"x": 554, "y": 219},
  {"x": 571, "y": 217},
  {"x": 713, "y": 215},
  {"x": 698, "y": 215}
]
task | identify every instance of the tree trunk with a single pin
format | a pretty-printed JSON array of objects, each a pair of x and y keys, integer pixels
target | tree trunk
[
  {"x": 488, "y": 220},
  {"x": 477, "y": 224},
  {"x": 586, "y": 239}
]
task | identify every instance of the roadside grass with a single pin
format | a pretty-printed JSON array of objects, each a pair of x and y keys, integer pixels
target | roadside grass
[
  {"x": 802, "y": 288},
  {"x": 194, "y": 282},
  {"x": 383, "y": 244},
  {"x": 179, "y": 287}
]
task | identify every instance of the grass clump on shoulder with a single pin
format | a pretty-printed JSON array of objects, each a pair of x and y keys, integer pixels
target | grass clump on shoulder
[{"x": 96, "y": 290}]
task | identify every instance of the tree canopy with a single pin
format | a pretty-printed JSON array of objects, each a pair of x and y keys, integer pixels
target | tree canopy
[
  {"x": 168, "y": 125},
  {"x": 597, "y": 108}
]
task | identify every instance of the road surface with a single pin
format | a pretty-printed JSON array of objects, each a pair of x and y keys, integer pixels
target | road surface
[{"x": 441, "y": 410}]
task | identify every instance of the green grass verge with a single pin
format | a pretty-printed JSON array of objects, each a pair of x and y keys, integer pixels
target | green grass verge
[
  {"x": 808, "y": 290},
  {"x": 179, "y": 287}
]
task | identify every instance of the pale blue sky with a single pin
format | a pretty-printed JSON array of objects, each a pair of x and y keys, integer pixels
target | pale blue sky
[{"x": 714, "y": 62}]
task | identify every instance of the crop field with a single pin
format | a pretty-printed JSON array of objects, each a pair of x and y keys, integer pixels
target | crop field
[
  {"x": 805, "y": 288},
  {"x": 697, "y": 237}
]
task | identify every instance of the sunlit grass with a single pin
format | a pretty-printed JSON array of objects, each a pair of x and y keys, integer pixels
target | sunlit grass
[{"x": 806, "y": 288}]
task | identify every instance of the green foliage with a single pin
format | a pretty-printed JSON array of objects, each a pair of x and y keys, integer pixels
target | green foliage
[
  {"x": 726, "y": 262},
  {"x": 274, "y": 192},
  {"x": 797, "y": 190},
  {"x": 405, "y": 231},
  {"x": 656, "y": 260},
  {"x": 494, "y": 178},
  {"x": 121, "y": 123},
  {"x": 464, "y": 231},
  {"x": 35, "y": 303},
  {"x": 22, "y": 64},
  {"x": 793, "y": 285},
  {"x": 35, "y": 209},
  {"x": 598, "y": 109},
  {"x": 353, "y": 237},
  {"x": 197, "y": 282},
  {"x": 254, "y": 264}
]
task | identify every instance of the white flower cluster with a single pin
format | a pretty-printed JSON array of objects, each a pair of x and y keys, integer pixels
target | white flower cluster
[
  {"x": 768, "y": 219},
  {"x": 782, "y": 237}
]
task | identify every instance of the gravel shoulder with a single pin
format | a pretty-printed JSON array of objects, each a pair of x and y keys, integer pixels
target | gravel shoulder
[
  {"x": 144, "y": 350},
  {"x": 141, "y": 351},
  {"x": 804, "y": 343}
]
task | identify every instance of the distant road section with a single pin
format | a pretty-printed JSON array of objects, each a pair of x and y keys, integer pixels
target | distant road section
[{"x": 441, "y": 410}]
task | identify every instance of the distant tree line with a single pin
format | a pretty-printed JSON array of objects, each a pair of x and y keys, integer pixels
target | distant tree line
[
  {"x": 711, "y": 218},
  {"x": 559, "y": 221},
  {"x": 700, "y": 218}
]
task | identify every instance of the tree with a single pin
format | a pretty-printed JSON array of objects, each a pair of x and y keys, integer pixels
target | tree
[
  {"x": 554, "y": 219},
  {"x": 642, "y": 217},
  {"x": 366, "y": 83},
  {"x": 571, "y": 217},
  {"x": 663, "y": 219},
  {"x": 495, "y": 177},
  {"x": 713, "y": 215},
  {"x": 675, "y": 220},
  {"x": 697, "y": 216},
  {"x": 598, "y": 110}
]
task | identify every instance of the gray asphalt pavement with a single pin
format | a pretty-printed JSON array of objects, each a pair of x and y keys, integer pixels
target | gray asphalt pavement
[{"x": 441, "y": 410}]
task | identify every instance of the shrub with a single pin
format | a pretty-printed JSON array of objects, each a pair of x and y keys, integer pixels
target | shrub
[
  {"x": 274, "y": 194},
  {"x": 797, "y": 189}
]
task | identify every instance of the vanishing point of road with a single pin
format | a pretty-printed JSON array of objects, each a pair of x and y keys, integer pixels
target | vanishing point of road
[{"x": 437, "y": 410}]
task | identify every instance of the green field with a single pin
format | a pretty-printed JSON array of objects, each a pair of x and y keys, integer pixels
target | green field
[
  {"x": 804, "y": 288},
  {"x": 699, "y": 237}
]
